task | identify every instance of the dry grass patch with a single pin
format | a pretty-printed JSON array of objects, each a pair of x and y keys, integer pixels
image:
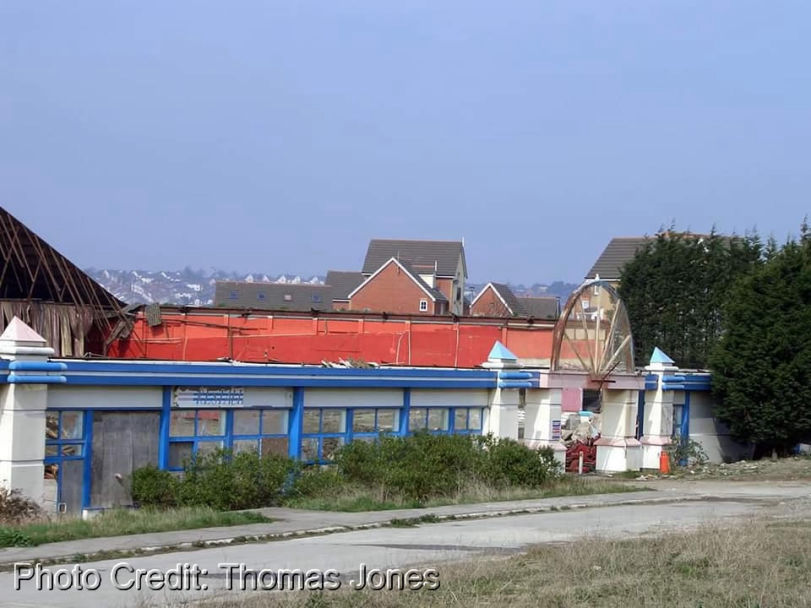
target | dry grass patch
[
  {"x": 755, "y": 564},
  {"x": 795, "y": 468}
]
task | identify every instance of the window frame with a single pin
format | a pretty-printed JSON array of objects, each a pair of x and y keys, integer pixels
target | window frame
[{"x": 227, "y": 438}]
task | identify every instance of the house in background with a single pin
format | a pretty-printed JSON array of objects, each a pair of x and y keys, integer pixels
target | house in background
[
  {"x": 618, "y": 252},
  {"x": 342, "y": 283},
  {"x": 498, "y": 300},
  {"x": 440, "y": 265},
  {"x": 272, "y": 296},
  {"x": 395, "y": 287}
]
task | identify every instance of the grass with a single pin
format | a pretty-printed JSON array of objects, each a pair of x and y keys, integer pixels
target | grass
[
  {"x": 757, "y": 563},
  {"x": 118, "y": 522},
  {"x": 353, "y": 498}
]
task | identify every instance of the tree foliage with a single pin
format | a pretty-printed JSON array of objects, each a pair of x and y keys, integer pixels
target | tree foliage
[
  {"x": 762, "y": 364},
  {"x": 675, "y": 288}
]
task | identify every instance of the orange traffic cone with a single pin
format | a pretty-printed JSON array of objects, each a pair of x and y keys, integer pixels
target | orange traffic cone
[{"x": 664, "y": 463}]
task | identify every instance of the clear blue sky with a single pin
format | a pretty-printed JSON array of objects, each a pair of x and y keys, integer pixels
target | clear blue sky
[{"x": 281, "y": 137}]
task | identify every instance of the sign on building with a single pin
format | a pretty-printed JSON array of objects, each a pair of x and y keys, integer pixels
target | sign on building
[{"x": 208, "y": 396}]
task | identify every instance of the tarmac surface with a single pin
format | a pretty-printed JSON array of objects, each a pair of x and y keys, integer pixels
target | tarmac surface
[{"x": 344, "y": 547}]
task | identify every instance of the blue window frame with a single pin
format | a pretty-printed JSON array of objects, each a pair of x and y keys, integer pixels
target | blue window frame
[
  {"x": 197, "y": 432},
  {"x": 467, "y": 420},
  {"x": 324, "y": 430},
  {"x": 463, "y": 420},
  {"x": 432, "y": 419},
  {"x": 263, "y": 430},
  {"x": 368, "y": 423},
  {"x": 65, "y": 440}
]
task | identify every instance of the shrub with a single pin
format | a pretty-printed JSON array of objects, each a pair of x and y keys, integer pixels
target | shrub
[
  {"x": 16, "y": 508},
  {"x": 317, "y": 481},
  {"x": 153, "y": 487},
  {"x": 509, "y": 463},
  {"x": 220, "y": 480}
]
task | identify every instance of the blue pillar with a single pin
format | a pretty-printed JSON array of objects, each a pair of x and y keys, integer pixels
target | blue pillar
[
  {"x": 163, "y": 438},
  {"x": 405, "y": 412},
  {"x": 87, "y": 475},
  {"x": 296, "y": 422}
]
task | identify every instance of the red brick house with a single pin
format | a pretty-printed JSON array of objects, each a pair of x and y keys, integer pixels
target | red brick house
[
  {"x": 395, "y": 287},
  {"x": 498, "y": 300},
  {"x": 440, "y": 265}
]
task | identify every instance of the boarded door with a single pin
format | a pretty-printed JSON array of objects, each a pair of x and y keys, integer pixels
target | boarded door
[{"x": 122, "y": 442}]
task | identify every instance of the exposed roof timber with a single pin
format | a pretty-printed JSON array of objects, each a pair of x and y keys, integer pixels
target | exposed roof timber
[{"x": 33, "y": 270}]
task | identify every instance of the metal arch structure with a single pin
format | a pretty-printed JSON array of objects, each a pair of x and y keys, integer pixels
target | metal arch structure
[{"x": 593, "y": 334}]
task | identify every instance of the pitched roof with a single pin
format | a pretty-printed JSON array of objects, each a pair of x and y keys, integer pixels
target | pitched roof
[
  {"x": 433, "y": 293},
  {"x": 545, "y": 307},
  {"x": 32, "y": 269},
  {"x": 508, "y": 297},
  {"x": 444, "y": 255},
  {"x": 343, "y": 283},
  {"x": 618, "y": 252},
  {"x": 272, "y": 296}
]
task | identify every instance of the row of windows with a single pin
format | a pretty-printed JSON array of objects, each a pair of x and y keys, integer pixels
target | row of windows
[{"x": 197, "y": 432}]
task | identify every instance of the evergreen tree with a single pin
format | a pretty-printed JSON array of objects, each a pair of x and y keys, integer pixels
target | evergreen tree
[
  {"x": 762, "y": 364},
  {"x": 675, "y": 288}
]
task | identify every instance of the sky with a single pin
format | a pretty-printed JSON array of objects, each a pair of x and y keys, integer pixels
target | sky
[{"x": 282, "y": 136}]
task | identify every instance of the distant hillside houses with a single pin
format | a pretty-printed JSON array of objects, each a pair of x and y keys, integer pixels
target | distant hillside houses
[{"x": 185, "y": 287}]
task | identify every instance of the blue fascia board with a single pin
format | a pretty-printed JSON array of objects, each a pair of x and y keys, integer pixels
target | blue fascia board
[
  {"x": 285, "y": 381},
  {"x": 37, "y": 366},
  {"x": 194, "y": 374},
  {"x": 35, "y": 379},
  {"x": 515, "y": 384},
  {"x": 685, "y": 382},
  {"x": 267, "y": 370},
  {"x": 515, "y": 375}
]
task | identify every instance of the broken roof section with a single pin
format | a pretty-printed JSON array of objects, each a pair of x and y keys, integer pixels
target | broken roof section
[{"x": 33, "y": 270}]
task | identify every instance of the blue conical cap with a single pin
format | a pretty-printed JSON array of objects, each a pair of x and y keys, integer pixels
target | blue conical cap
[
  {"x": 501, "y": 352},
  {"x": 659, "y": 356}
]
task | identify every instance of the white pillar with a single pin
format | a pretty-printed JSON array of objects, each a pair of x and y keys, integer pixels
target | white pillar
[
  {"x": 502, "y": 416},
  {"x": 542, "y": 420},
  {"x": 617, "y": 448},
  {"x": 657, "y": 424},
  {"x": 22, "y": 410}
]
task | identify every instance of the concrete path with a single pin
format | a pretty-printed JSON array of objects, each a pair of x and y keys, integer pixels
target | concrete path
[{"x": 673, "y": 505}]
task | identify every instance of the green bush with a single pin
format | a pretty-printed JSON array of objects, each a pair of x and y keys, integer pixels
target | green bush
[
  {"x": 511, "y": 464},
  {"x": 425, "y": 465},
  {"x": 316, "y": 481},
  {"x": 154, "y": 487},
  {"x": 410, "y": 469},
  {"x": 220, "y": 480}
]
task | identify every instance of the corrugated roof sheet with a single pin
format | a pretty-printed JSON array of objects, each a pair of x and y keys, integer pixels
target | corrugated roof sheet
[{"x": 421, "y": 255}]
